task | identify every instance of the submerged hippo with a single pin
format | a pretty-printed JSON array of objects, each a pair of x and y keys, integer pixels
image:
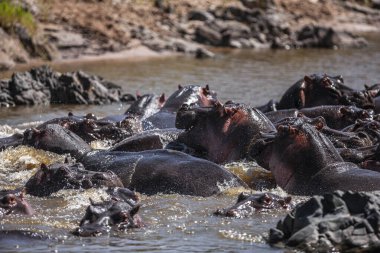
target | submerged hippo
[
  {"x": 13, "y": 201},
  {"x": 248, "y": 204},
  {"x": 50, "y": 179},
  {"x": 191, "y": 94},
  {"x": 305, "y": 162},
  {"x": 147, "y": 140},
  {"x": 146, "y": 105},
  {"x": 221, "y": 133},
  {"x": 56, "y": 139},
  {"x": 336, "y": 116},
  {"x": 163, "y": 171},
  {"x": 101, "y": 217},
  {"x": 11, "y": 141}
]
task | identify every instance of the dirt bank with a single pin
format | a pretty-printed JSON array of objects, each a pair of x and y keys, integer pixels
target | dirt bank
[{"x": 87, "y": 28}]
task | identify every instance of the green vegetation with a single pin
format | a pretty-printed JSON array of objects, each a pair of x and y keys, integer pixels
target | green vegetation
[{"x": 12, "y": 15}]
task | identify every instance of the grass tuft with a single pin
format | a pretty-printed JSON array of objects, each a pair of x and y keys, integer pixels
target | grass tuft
[{"x": 12, "y": 15}]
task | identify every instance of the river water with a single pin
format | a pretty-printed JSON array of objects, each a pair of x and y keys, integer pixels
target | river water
[{"x": 173, "y": 223}]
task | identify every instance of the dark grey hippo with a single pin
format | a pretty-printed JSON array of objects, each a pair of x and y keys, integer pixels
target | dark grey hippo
[
  {"x": 165, "y": 171},
  {"x": 305, "y": 162}
]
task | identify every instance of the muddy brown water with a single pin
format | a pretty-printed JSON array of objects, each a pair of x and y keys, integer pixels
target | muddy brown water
[{"x": 174, "y": 223}]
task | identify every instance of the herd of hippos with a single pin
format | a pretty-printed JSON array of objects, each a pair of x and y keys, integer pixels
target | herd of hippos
[{"x": 322, "y": 136}]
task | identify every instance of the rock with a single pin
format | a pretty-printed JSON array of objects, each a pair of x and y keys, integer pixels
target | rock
[
  {"x": 322, "y": 37},
  {"x": 66, "y": 39},
  {"x": 339, "y": 220},
  {"x": 200, "y": 15},
  {"x": 38, "y": 45},
  {"x": 207, "y": 35},
  {"x": 263, "y": 4},
  {"x": 5, "y": 62},
  {"x": 11, "y": 47},
  {"x": 43, "y": 86},
  {"x": 25, "y": 90},
  {"x": 29, "y": 5},
  {"x": 202, "y": 53}
]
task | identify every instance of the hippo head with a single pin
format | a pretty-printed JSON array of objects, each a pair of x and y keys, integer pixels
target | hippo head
[
  {"x": 313, "y": 90},
  {"x": 221, "y": 132},
  {"x": 190, "y": 94},
  {"x": 299, "y": 151},
  {"x": 50, "y": 179},
  {"x": 13, "y": 201},
  {"x": 146, "y": 105},
  {"x": 248, "y": 204},
  {"x": 349, "y": 114},
  {"x": 359, "y": 98},
  {"x": 101, "y": 217}
]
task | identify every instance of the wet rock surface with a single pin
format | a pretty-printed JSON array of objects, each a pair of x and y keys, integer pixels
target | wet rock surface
[
  {"x": 44, "y": 86},
  {"x": 340, "y": 220}
]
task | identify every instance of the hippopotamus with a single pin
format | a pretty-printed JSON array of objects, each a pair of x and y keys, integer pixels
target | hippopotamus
[
  {"x": 338, "y": 116},
  {"x": 11, "y": 141},
  {"x": 11, "y": 239},
  {"x": 339, "y": 139},
  {"x": 316, "y": 90},
  {"x": 303, "y": 161},
  {"x": 56, "y": 139},
  {"x": 248, "y": 204},
  {"x": 100, "y": 217},
  {"x": 52, "y": 178},
  {"x": 147, "y": 140},
  {"x": 369, "y": 127},
  {"x": 191, "y": 94},
  {"x": 221, "y": 133},
  {"x": 163, "y": 171},
  {"x": 13, "y": 201},
  {"x": 146, "y": 105},
  {"x": 90, "y": 128}
]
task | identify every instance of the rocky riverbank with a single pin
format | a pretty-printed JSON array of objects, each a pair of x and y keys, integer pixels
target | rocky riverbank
[{"x": 86, "y": 28}]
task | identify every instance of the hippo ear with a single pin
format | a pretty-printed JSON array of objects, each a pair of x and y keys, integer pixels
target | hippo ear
[
  {"x": 319, "y": 123},
  {"x": 339, "y": 78},
  {"x": 180, "y": 86},
  {"x": 134, "y": 210},
  {"x": 162, "y": 99},
  {"x": 44, "y": 168},
  {"x": 70, "y": 114},
  {"x": 205, "y": 91},
  {"x": 307, "y": 80},
  {"x": 138, "y": 94},
  {"x": 207, "y": 87}
]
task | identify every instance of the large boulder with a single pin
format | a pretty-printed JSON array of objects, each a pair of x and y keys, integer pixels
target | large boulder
[
  {"x": 43, "y": 86},
  {"x": 339, "y": 220}
]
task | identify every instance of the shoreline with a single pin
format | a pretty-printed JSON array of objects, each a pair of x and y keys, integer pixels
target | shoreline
[{"x": 140, "y": 53}]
